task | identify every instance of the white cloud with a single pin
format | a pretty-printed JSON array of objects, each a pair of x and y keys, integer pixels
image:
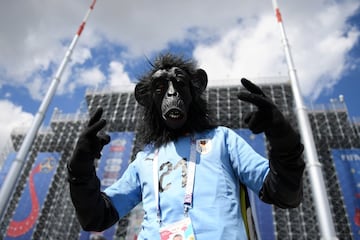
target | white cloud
[
  {"x": 91, "y": 77},
  {"x": 241, "y": 37},
  {"x": 13, "y": 116},
  {"x": 35, "y": 37},
  {"x": 232, "y": 39},
  {"x": 37, "y": 87},
  {"x": 321, "y": 44},
  {"x": 119, "y": 79},
  {"x": 320, "y": 41},
  {"x": 250, "y": 50}
]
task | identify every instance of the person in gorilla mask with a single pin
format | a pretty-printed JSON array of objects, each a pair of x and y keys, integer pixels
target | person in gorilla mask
[{"x": 190, "y": 171}]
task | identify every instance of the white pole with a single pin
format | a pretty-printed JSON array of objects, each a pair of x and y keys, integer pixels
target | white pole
[
  {"x": 16, "y": 167},
  {"x": 312, "y": 163}
]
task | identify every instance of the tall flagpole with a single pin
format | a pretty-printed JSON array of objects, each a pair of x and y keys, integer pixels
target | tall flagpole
[
  {"x": 312, "y": 163},
  {"x": 16, "y": 167}
]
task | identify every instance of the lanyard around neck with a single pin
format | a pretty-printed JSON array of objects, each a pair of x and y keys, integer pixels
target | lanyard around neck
[{"x": 189, "y": 182}]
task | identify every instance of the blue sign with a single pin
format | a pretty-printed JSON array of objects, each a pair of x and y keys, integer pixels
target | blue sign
[
  {"x": 347, "y": 164},
  {"x": 33, "y": 196}
]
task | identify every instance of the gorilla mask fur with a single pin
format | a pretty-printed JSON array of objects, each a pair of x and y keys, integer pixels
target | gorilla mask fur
[{"x": 170, "y": 94}]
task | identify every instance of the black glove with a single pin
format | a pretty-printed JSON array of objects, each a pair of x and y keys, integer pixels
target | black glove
[
  {"x": 267, "y": 118},
  {"x": 88, "y": 147},
  {"x": 283, "y": 185}
]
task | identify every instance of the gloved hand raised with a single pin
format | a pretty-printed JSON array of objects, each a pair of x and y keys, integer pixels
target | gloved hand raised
[
  {"x": 267, "y": 118},
  {"x": 88, "y": 147},
  {"x": 283, "y": 184}
]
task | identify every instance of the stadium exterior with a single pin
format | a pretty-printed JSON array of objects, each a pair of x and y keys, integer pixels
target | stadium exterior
[{"x": 54, "y": 217}]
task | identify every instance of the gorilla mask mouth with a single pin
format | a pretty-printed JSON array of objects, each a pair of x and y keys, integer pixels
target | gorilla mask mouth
[
  {"x": 174, "y": 114},
  {"x": 175, "y": 118}
]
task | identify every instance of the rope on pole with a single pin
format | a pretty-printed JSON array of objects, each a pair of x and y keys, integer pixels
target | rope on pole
[{"x": 16, "y": 167}]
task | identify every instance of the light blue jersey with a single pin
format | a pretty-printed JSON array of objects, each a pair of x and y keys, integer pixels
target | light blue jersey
[{"x": 223, "y": 159}]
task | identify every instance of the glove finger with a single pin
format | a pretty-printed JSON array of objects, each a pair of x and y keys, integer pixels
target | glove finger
[
  {"x": 98, "y": 155},
  {"x": 96, "y": 127},
  {"x": 96, "y": 117},
  {"x": 257, "y": 123},
  {"x": 257, "y": 100},
  {"x": 248, "y": 117},
  {"x": 252, "y": 87},
  {"x": 104, "y": 139}
]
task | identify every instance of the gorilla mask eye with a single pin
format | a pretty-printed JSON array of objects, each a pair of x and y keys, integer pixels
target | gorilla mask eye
[{"x": 160, "y": 87}]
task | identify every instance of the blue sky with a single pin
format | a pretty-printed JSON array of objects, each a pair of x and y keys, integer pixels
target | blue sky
[{"x": 230, "y": 40}]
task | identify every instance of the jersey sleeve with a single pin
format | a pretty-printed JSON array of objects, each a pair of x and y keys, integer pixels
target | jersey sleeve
[
  {"x": 125, "y": 193},
  {"x": 250, "y": 167}
]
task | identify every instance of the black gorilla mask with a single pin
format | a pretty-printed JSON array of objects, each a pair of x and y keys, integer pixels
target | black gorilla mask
[
  {"x": 171, "y": 93},
  {"x": 170, "y": 96}
]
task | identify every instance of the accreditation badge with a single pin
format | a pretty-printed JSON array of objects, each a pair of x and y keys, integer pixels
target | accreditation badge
[{"x": 181, "y": 230}]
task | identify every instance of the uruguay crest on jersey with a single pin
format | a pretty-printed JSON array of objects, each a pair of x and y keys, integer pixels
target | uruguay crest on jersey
[{"x": 203, "y": 146}]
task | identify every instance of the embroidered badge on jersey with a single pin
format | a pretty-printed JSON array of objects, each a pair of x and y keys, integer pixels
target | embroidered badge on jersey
[{"x": 203, "y": 146}]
